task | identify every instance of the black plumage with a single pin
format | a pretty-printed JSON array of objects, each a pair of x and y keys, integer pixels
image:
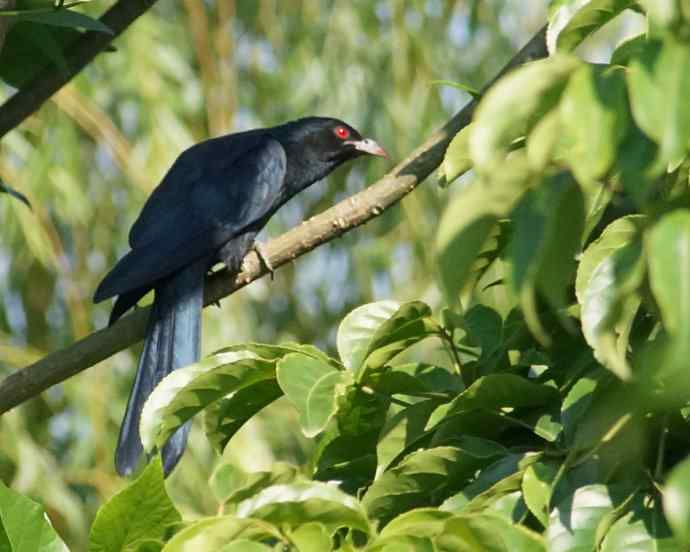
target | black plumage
[{"x": 209, "y": 207}]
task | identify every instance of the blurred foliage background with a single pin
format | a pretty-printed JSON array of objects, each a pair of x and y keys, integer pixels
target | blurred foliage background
[{"x": 183, "y": 72}]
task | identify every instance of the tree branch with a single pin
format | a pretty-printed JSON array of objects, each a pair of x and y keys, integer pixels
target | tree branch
[
  {"x": 32, "y": 95},
  {"x": 343, "y": 217}
]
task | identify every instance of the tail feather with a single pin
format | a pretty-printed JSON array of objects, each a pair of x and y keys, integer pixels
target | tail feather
[{"x": 172, "y": 340}]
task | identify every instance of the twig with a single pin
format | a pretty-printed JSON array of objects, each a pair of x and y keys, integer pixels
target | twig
[
  {"x": 343, "y": 217},
  {"x": 32, "y": 95}
]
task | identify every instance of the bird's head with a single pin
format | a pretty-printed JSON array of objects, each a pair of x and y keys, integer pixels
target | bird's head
[{"x": 330, "y": 140}]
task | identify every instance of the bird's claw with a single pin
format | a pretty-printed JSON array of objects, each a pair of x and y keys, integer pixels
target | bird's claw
[
  {"x": 261, "y": 253},
  {"x": 216, "y": 303}
]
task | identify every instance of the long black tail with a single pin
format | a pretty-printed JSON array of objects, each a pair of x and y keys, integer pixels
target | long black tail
[{"x": 172, "y": 340}]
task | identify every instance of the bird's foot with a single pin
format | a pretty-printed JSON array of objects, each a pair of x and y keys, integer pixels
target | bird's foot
[{"x": 261, "y": 253}]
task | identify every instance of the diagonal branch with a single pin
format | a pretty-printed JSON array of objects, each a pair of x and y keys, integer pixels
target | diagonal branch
[
  {"x": 78, "y": 55},
  {"x": 343, "y": 217}
]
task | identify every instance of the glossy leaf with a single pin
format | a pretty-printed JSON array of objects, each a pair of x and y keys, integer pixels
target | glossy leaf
[
  {"x": 188, "y": 390},
  {"x": 575, "y": 20},
  {"x": 496, "y": 391},
  {"x": 408, "y": 484},
  {"x": 669, "y": 270},
  {"x": 537, "y": 488},
  {"x": 141, "y": 511},
  {"x": 659, "y": 85},
  {"x": 403, "y": 426},
  {"x": 64, "y": 18},
  {"x": 642, "y": 529},
  {"x": 608, "y": 301},
  {"x": 224, "y": 418},
  {"x": 311, "y": 537},
  {"x": 312, "y": 387},
  {"x": 491, "y": 533},
  {"x": 509, "y": 107},
  {"x": 296, "y": 503},
  {"x": 457, "y": 160},
  {"x": 573, "y": 522},
  {"x": 677, "y": 501},
  {"x": 24, "y": 525},
  {"x": 594, "y": 115},
  {"x": 216, "y": 532},
  {"x": 547, "y": 232},
  {"x": 411, "y": 323},
  {"x": 358, "y": 327},
  {"x": 468, "y": 221}
]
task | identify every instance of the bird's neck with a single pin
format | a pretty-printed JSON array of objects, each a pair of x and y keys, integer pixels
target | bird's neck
[{"x": 303, "y": 170}]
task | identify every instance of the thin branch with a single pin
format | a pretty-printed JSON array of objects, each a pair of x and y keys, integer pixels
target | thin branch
[
  {"x": 32, "y": 95},
  {"x": 343, "y": 217}
]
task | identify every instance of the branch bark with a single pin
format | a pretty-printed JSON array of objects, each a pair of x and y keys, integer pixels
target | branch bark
[
  {"x": 27, "y": 100},
  {"x": 343, "y": 217}
]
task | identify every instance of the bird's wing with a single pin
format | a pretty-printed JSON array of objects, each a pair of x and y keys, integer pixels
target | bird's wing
[{"x": 204, "y": 201}]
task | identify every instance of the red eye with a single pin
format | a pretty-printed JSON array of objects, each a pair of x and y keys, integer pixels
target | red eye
[{"x": 342, "y": 133}]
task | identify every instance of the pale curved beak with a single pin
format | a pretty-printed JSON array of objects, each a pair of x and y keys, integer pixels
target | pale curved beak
[{"x": 367, "y": 145}]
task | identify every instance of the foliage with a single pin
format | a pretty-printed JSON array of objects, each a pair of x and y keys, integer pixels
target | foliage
[{"x": 544, "y": 404}]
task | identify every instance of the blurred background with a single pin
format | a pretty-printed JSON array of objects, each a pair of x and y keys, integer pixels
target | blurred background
[{"x": 186, "y": 71}]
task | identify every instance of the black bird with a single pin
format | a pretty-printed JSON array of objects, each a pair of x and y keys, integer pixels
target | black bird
[{"x": 208, "y": 208}]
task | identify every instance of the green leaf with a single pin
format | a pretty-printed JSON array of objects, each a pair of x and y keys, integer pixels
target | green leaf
[
  {"x": 610, "y": 271},
  {"x": 190, "y": 389},
  {"x": 484, "y": 327},
  {"x": 30, "y": 48},
  {"x": 629, "y": 49},
  {"x": 424, "y": 476},
  {"x": 404, "y": 425},
  {"x": 575, "y": 20},
  {"x": 616, "y": 235},
  {"x": 312, "y": 387},
  {"x": 357, "y": 329},
  {"x": 64, "y": 18},
  {"x": 140, "y": 512},
  {"x": 311, "y": 537},
  {"x": 297, "y": 503},
  {"x": 24, "y": 525},
  {"x": 495, "y": 391},
  {"x": 213, "y": 533},
  {"x": 659, "y": 86},
  {"x": 594, "y": 113},
  {"x": 668, "y": 255},
  {"x": 573, "y": 522},
  {"x": 249, "y": 484},
  {"x": 411, "y": 323},
  {"x": 468, "y": 221},
  {"x": 487, "y": 533},
  {"x": 547, "y": 232},
  {"x": 666, "y": 13},
  {"x": 677, "y": 501},
  {"x": 642, "y": 529},
  {"x": 537, "y": 487},
  {"x": 509, "y": 107},
  {"x": 245, "y": 545},
  {"x": 225, "y": 417},
  {"x": 457, "y": 160},
  {"x": 224, "y": 480},
  {"x": 578, "y": 400},
  {"x": 421, "y": 522},
  {"x": 493, "y": 483},
  {"x": 543, "y": 142},
  {"x": 5, "y": 189}
]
